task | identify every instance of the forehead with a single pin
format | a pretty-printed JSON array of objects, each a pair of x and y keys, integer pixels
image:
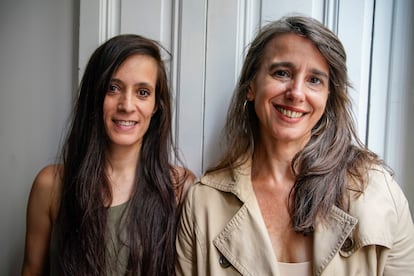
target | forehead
[
  {"x": 290, "y": 45},
  {"x": 138, "y": 61},
  {"x": 137, "y": 67}
]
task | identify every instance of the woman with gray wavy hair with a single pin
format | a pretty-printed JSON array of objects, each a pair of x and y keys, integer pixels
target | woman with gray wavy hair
[{"x": 295, "y": 192}]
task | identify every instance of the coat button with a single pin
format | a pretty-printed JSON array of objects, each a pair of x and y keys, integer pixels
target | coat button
[
  {"x": 348, "y": 245},
  {"x": 224, "y": 262}
]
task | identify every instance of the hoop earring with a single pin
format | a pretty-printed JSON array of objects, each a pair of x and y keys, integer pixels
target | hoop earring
[
  {"x": 326, "y": 124},
  {"x": 245, "y": 106},
  {"x": 245, "y": 116}
]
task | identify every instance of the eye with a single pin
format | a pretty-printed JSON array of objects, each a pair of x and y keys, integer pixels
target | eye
[
  {"x": 281, "y": 74},
  {"x": 143, "y": 93},
  {"x": 112, "y": 88},
  {"x": 315, "y": 80}
]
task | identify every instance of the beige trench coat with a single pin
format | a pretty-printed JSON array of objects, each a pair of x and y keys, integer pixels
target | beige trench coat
[{"x": 222, "y": 232}]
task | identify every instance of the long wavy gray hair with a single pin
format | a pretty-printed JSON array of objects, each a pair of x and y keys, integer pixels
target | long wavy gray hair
[{"x": 334, "y": 153}]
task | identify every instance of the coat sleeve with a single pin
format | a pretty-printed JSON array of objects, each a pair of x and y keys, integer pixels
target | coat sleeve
[
  {"x": 400, "y": 260},
  {"x": 186, "y": 239}
]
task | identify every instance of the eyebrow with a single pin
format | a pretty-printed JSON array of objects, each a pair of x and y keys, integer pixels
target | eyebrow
[
  {"x": 145, "y": 84},
  {"x": 320, "y": 73},
  {"x": 291, "y": 65}
]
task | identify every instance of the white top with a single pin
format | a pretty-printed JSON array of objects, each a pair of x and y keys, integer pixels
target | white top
[{"x": 297, "y": 269}]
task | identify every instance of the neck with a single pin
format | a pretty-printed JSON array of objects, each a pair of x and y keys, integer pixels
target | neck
[
  {"x": 122, "y": 158},
  {"x": 271, "y": 169},
  {"x": 272, "y": 159},
  {"x": 121, "y": 172}
]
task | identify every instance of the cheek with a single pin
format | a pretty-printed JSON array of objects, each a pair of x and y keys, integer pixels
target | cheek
[
  {"x": 109, "y": 104},
  {"x": 319, "y": 102},
  {"x": 105, "y": 110},
  {"x": 148, "y": 109}
]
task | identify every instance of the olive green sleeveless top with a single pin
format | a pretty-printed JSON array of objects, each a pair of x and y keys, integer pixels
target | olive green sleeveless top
[{"x": 117, "y": 250}]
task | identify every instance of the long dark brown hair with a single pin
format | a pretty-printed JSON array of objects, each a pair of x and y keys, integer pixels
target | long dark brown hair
[
  {"x": 152, "y": 211},
  {"x": 334, "y": 159}
]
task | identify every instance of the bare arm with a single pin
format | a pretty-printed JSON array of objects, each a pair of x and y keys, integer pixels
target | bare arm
[{"x": 39, "y": 221}]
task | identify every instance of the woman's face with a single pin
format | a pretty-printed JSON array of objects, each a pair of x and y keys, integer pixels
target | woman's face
[
  {"x": 130, "y": 101},
  {"x": 290, "y": 90}
]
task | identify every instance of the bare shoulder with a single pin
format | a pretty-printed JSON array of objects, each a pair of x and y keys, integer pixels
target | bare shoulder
[
  {"x": 48, "y": 179},
  {"x": 46, "y": 187},
  {"x": 183, "y": 178},
  {"x": 40, "y": 217}
]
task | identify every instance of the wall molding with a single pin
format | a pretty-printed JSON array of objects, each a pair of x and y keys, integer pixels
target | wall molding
[
  {"x": 248, "y": 23},
  {"x": 331, "y": 14},
  {"x": 109, "y": 19},
  {"x": 175, "y": 65}
]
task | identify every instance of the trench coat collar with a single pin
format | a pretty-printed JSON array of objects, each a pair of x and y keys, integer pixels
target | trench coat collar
[
  {"x": 244, "y": 241},
  {"x": 238, "y": 184}
]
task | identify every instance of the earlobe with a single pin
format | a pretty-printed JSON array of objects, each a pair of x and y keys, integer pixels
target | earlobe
[
  {"x": 155, "y": 110},
  {"x": 250, "y": 94}
]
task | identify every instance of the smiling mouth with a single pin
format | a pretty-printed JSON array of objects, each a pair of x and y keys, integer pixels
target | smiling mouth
[
  {"x": 125, "y": 123},
  {"x": 289, "y": 113}
]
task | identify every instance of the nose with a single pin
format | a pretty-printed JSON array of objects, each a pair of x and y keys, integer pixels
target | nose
[
  {"x": 125, "y": 103},
  {"x": 296, "y": 90}
]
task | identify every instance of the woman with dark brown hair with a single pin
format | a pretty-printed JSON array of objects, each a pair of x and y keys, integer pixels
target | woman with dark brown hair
[
  {"x": 111, "y": 207},
  {"x": 296, "y": 192}
]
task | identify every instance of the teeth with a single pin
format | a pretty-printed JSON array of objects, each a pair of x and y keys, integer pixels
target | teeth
[
  {"x": 125, "y": 123},
  {"x": 290, "y": 113}
]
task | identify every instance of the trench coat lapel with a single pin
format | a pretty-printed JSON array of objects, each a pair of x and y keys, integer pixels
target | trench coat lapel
[
  {"x": 246, "y": 234},
  {"x": 244, "y": 241},
  {"x": 329, "y": 236}
]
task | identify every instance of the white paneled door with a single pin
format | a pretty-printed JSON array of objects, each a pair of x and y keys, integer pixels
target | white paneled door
[{"x": 207, "y": 39}]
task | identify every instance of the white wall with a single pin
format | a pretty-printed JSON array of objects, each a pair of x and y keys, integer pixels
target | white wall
[
  {"x": 391, "y": 127},
  {"x": 399, "y": 145},
  {"x": 38, "y": 63}
]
